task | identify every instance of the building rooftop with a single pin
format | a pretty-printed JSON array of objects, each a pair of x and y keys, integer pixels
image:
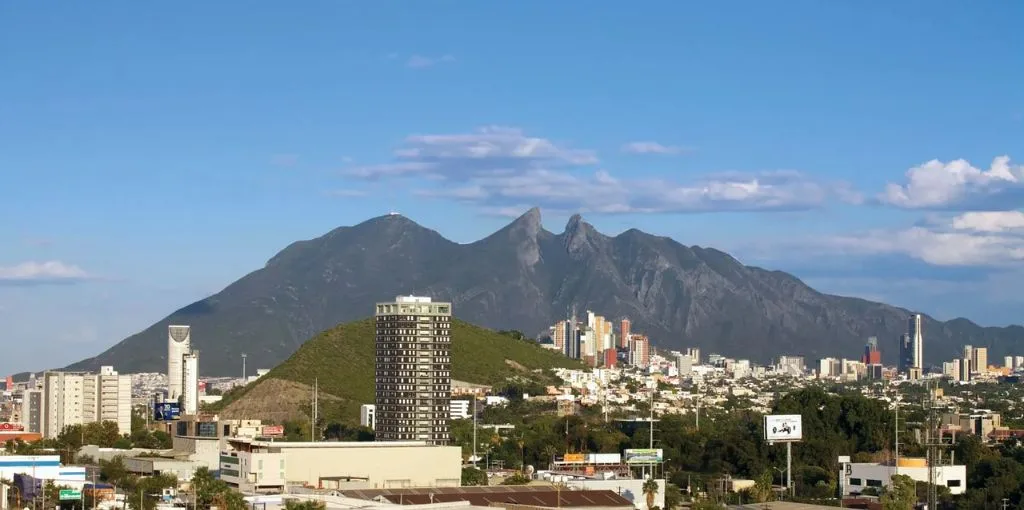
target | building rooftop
[
  {"x": 329, "y": 444},
  {"x": 542, "y": 496}
]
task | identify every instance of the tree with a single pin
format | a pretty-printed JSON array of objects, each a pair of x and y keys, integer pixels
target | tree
[
  {"x": 473, "y": 476},
  {"x": 516, "y": 479},
  {"x": 292, "y": 504},
  {"x": 650, "y": 490},
  {"x": 901, "y": 495},
  {"x": 762, "y": 489},
  {"x": 673, "y": 496},
  {"x": 113, "y": 471}
]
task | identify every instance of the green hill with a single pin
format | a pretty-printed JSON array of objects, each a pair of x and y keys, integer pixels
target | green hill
[{"x": 341, "y": 360}]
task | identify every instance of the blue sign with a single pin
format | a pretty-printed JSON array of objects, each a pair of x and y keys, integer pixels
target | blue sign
[{"x": 166, "y": 411}]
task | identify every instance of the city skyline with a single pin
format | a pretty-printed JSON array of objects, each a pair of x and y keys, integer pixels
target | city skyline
[{"x": 784, "y": 136}]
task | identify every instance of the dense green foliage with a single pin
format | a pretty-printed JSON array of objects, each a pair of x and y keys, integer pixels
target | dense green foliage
[
  {"x": 473, "y": 476},
  {"x": 208, "y": 491},
  {"x": 102, "y": 434},
  {"x": 341, "y": 360},
  {"x": 291, "y": 504}
]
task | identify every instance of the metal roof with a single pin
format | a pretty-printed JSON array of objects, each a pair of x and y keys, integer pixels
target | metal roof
[{"x": 544, "y": 496}]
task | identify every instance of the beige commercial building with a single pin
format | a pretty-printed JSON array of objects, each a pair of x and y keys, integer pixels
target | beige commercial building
[{"x": 271, "y": 466}]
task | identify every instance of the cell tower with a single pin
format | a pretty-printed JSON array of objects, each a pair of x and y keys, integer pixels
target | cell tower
[{"x": 934, "y": 442}]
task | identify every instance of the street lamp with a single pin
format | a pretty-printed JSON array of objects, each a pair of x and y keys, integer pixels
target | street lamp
[{"x": 782, "y": 476}]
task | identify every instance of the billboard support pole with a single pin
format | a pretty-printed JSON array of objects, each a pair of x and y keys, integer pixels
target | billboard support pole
[{"x": 789, "y": 468}]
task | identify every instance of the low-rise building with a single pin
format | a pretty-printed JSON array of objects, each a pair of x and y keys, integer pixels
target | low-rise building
[
  {"x": 864, "y": 475},
  {"x": 42, "y": 467},
  {"x": 262, "y": 466}
]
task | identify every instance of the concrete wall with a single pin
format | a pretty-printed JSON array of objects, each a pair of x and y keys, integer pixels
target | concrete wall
[
  {"x": 629, "y": 489},
  {"x": 204, "y": 451},
  {"x": 386, "y": 466}
]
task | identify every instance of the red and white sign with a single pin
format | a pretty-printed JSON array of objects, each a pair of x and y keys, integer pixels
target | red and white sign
[
  {"x": 12, "y": 427},
  {"x": 273, "y": 430}
]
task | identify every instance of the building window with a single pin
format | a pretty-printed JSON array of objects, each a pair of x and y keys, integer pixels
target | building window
[
  {"x": 874, "y": 483},
  {"x": 856, "y": 481},
  {"x": 952, "y": 483}
]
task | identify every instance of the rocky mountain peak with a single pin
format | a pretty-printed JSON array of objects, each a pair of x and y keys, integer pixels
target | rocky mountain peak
[
  {"x": 579, "y": 235},
  {"x": 529, "y": 223}
]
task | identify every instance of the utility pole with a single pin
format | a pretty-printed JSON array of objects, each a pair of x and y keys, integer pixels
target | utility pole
[
  {"x": 896, "y": 428},
  {"x": 698, "y": 413},
  {"x": 474, "y": 430},
  {"x": 312, "y": 426}
]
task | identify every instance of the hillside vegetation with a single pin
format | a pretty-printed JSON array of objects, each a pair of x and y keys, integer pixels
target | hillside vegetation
[{"x": 341, "y": 361}]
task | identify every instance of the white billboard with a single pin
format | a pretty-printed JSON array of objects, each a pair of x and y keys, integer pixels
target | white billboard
[{"x": 783, "y": 427}]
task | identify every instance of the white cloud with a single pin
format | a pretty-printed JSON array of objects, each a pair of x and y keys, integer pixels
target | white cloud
[
  {"x": 498, "y": 168},
  {"x": 423, "y": 62},
  {"x": 990, "y": 221},
  {"x": 969, "y": 239},
  {"x": 492, "y": 149},
  {"x": 959, "y": 185},
  {"x": 653, "y": 148},
  {"x": 41, "y": 273}
]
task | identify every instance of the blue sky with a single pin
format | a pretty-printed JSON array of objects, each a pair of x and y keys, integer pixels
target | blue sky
[{"x": 152, "y": 154}]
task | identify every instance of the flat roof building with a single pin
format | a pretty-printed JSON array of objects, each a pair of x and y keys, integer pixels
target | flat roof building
[
  {"x": 264, "y": 466},
  {"x": 413, "y": 370}
]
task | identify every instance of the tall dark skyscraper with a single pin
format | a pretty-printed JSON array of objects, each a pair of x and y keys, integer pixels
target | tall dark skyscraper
[
  {"x": 906, "y": 354},
  {"x": 413, "y": 376}
]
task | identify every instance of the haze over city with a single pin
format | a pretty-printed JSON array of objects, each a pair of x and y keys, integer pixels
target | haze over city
[{"x": 152, "y": 156}]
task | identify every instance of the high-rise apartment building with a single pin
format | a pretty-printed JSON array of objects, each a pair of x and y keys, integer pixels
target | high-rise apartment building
[
  {"x": 558, "y": 334},
  {"x": 639, "y": 351},
  {"x": 951, "y": 369},
  {"x": 624, "y": 332},
  {"x": 190, "y": 383},
  {"x": 76, "y": 398},
  {"x": 979, "y": 359},
  {"x": 694, "y": 354},
  {"x": 915, "y": 331},
  {"x": 112, "y": 400},
  {"x": 33, "y": 410},
  {"x": 413, "y": 375},
  {"x": 64, "y": 401},
  {"x": 179, "y": 343}
]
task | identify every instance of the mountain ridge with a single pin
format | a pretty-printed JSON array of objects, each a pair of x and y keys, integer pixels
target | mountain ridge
[{"x": 525, "y": 277}]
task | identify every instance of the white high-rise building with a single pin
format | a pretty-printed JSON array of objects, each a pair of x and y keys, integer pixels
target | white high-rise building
[
  {"x": 113, "y": 400},
  {"x": 63, "y": 401},
  {"x": 77, "y": 398},
  {"x": 190, "y": 383},
  {"x": 916, "y": 334},
  {"x": 179, "y": 343}
]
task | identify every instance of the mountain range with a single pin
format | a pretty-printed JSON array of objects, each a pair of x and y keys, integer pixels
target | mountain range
[{"x": 526, "y": 278}]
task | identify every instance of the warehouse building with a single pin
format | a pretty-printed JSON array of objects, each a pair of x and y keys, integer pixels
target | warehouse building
[
  {"x": 509, "y": 497},
  {"x": 270, "y": 466}
]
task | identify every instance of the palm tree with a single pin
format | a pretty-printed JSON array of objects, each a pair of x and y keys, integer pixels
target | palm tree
[{"x": 650, "y": 489}]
